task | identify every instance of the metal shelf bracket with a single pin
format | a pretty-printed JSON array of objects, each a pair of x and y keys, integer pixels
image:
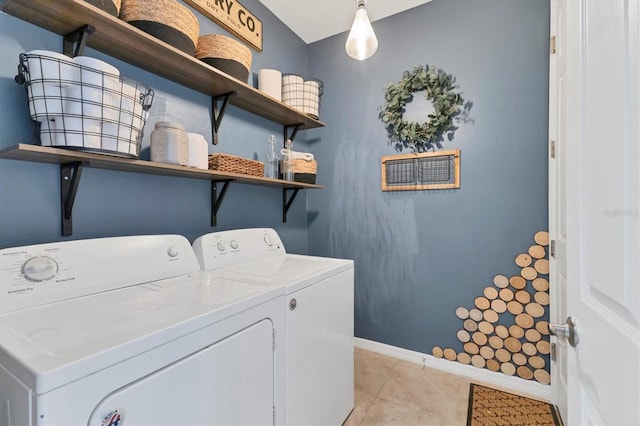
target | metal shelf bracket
[
  {"x": 218, "y": 115},
  {"x": 285, "y": 132},
  {"x": 79, "y": 38},
  {"x": 69, "y": 181},
  {"x": 216, "y": 200},
  {"x": 287, "y": 201}
]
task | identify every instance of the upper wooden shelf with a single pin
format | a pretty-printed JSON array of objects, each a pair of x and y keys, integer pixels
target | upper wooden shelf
[
  {"x": 45, "y": 154},
  {"x": 123, "y": 41}
]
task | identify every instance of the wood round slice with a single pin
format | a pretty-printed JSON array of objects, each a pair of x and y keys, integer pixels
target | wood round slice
[
  {"x": 534, "y": 310},
  {"x": 518, "y": 359},
  {"x": 502, "y": 331},
  {"x": 542, "y": 266},
  {"x": 479, "y": 338},
  {"x": 486, "y": 352},
  {"x": 490, "y": 293},
  {"x": 525, "y": 372},
  {"x": 493, "y": 365},
  {"x": 515, "y": 308},
  {"x": 506, "y": 294},
  {"x": 523, "y": 296},
  {"x": 517, "y": 282},
  {"x": 491, "y": 316},
  {"x": 496, "y": 342},
  {"x": 542, "y": 238},
  {"x": 501, "y": 281},
  {"x": 532, "y": 335},
  {"x": 541, "y": 297},
  {"x": 485, "y": 327},
  {"x": 542, "y": 376},
  {"x": 462, "y": 313},
  {"x": 523, "y": 260},
  {"x": 464, "y": 358},
  {"x": 498, "y": 305},
  {"x": 544, "y": 347},
  {"x": 516, "y": 331},
  {"x": 524, "y": 320},
  {"x": 529, "y": 348},
  {"x": 471, "y": 348},
  {"x": 475, "y": 314},
  {"x": 470, "y": 325},
  {"x": 536, "y": 362},
  {"x": 508, "y": 368},
  {"x": 437, "y": 352},
  {"x": 482, "y": 303},
  {"x": 529, "y": 273},
  {"x": 450, "y": 354},
  {"x": 541, "y": 284},
  {"x": 478, "y": 361},
  {"x": 463, "y": 336},
  {"x": 537, "y": 252},
  {"x": 503, "y": 355},
  {"x": 543, "y": 327},
  {"x": 512, "y": 344}
]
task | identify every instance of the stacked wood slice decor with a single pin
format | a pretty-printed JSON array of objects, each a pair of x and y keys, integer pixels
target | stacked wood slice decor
[{"x": 504, "y": 330}]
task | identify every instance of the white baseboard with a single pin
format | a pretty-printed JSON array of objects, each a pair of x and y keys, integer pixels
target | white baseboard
[{"x": 496, "y": 380}]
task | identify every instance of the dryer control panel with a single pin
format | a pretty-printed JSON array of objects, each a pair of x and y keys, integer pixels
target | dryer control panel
[
  {"x": 229, "y": 248},
  {"x": 45, "y": 273}
]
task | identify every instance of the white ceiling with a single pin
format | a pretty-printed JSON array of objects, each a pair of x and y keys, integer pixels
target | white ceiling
[{"x": 314, "y": 20}]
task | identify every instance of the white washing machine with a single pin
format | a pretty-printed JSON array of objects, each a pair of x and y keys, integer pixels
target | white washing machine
[
  {"x": 128, "y": 331},
  {"x": 319, "y": 317}
]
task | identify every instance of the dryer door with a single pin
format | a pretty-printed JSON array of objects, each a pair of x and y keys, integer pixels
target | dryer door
[{"x": 229, "y": 382}]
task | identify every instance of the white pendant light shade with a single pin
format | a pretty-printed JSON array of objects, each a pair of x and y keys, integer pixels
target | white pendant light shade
[{"x": 362, "y": 42}]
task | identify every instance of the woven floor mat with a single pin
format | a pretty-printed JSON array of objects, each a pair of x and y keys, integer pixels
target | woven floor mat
[{"x": 493, "y": 407}]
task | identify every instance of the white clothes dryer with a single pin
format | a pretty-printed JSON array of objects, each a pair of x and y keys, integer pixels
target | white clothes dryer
[
  {"x": 128, "y": 331},
  {"x": 319, "y": 316}
]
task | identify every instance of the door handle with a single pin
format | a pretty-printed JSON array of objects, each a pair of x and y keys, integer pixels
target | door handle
[{"x": 568, "y": 331}]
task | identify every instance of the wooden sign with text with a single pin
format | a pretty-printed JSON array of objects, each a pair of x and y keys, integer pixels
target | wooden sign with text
[{"x": 234, "y": 17}]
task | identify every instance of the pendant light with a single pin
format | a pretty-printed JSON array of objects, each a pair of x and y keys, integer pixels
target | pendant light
[{"x": 362, "y": 42}]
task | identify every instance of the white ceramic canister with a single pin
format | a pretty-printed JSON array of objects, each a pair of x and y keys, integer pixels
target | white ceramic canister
[
  {"x": 198, "y": 151},
  {"x": 170, "y": 144}
]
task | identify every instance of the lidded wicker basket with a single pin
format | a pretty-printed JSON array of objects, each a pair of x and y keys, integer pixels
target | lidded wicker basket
[
  {"x": 166, "y": 20},
  {"x": 226, "y": 54}
]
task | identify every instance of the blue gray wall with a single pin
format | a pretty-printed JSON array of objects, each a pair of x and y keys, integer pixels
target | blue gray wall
[
  {"x": 420, "y": 254},
  {"x": 116, "y": 203}
]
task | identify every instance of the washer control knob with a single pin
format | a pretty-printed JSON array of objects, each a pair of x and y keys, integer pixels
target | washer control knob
[
  {"x": 293, "y": 303},
  {"x": 220, "y": 246},
  {"x": 233, "y": 244},
  {"x": 268, "y": 240},
  {"x": 172, "y": 252},
  {"x": 39, "y": 268}
]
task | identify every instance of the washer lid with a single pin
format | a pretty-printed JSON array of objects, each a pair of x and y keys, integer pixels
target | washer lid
[
  {"x": 48, "y": 346},
  {"x": 293, "y": 271}
]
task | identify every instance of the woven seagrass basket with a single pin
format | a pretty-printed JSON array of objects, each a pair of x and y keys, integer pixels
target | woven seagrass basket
[
  {"x": 112, "y": 7},
  {"x": 166, "y": 20},
  {"x": 303, "y": 170},
  {"x": 226, "y": 54},
  {"x": 233, "y": 164}
]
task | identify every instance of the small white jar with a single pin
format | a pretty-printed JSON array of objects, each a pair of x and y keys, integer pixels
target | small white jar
[
  {"x": 198, "y": 151},
  {"x": 170, "y": 144}
]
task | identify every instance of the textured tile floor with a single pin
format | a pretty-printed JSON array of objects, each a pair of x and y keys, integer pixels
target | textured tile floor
[{"x": 393, "y": 392}]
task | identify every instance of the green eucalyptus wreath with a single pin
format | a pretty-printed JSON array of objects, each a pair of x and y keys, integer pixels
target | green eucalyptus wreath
[{"x": 439, "y": 87}]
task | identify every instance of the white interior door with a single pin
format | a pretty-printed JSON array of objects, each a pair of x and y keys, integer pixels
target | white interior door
[{"x": 598, "y": 123}]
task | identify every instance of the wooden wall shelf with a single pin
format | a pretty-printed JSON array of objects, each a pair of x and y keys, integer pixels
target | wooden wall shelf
[
  {"x": 71, "y": 163},
  {"x": 123, "y": 41}
]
